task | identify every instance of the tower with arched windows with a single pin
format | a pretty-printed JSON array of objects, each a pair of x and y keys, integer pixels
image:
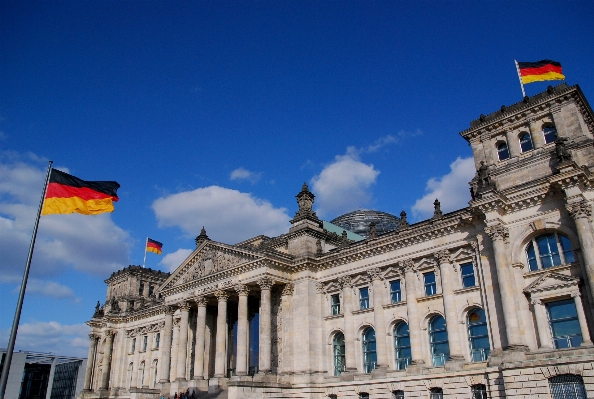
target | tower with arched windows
[{"x": 490, "y": 301}]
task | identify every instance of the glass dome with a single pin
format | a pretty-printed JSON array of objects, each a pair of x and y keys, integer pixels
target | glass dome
[{"x": 358, "y": 222}]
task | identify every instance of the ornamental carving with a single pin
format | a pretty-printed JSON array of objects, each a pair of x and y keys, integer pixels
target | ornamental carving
[
  {"x": 320, "y": 287},
  {"x": 408, "y": 265},
  {"x": 579, "y": 210},
  {"x": 288, "y": 289},
  {"x": 443, "y": 256},
  {"x": 345, "y": 281},
  {"x": 109, "y": 333},
  {"x": 211, "y": 261},
  {"x": 221, "y": 295},
  {"x": 265, "y": 283},
  {"x": 242, "y": 289},
  {"x": 497, "y": 232},
  {"x": 201, "y": 301},
  {"x": 169, "y": 310},
  {"x": 375, "y": 273},
  {"x": 184, "y": 306}
]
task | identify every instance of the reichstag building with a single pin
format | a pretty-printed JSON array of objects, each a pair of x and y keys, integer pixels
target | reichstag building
[{"x": 490, "y": 301}]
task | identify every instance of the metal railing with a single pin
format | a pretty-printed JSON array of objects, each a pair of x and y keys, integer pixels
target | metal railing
[
  {"x": 479, "y": 355},
  {"x": 369, "y": 366},
  {"x": 339, "y": 369},
  {"x": 567, "y": 341},
  {"x": 438, "y": 360},
  {"x": 402, "y": 364}
]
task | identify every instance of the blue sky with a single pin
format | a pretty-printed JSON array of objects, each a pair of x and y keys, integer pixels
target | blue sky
[{"x": 214, "y": 113}]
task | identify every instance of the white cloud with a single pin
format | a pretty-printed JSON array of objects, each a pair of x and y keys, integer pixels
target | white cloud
[
  {"x": 62, "y": 339},
  {"x": 344, "y": 184},
  {"x": 173, "y": 260},
  {"x": 47, "y": 288},
  {"x": 452, "y": 189},
  {"x": 244, "y": 174},
  {"x": 92, "y": 244},
  {"x": 229, "y": 216}
]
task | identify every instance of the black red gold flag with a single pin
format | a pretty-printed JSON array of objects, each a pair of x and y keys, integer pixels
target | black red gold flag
[
  {"x": 154, "y": 246},
  {"x": 540, "y": 71}
]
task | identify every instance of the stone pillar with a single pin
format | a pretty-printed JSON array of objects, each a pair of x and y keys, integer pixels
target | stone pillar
[
  {"x": 513, "y": 143},
  {"x": 286, "y": 299},
  {"x": 165, "y": 360},
  {"x": 349, "y": 326},
  {"x": 537, "y": 137},
  {"x": 174, "y": 350},
  {"x": 107, "y": 350},
  {"x": 200, "y": 331},
  {"x": 414, "y": 324},
  {"x": 498, "y": 234},
  {"x": 242, "y": 330},
  {"x": 581, "y": 212},
  {"x": 542, "y": 324},
  {"x": 579, "y": 306},
  {"x": 182, "y": 349},
  {"x": 448, "y": 283},
  {"x": 136, "y": 369},
  {"x": 221, "y": 339},
  {"x": 90, "y": 361},
  {"x": 265, "y": 325},
  {"x": 379, "y": 318}
]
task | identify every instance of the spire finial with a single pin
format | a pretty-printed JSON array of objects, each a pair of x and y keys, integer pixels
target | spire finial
[{"x": 202, "y": 236}]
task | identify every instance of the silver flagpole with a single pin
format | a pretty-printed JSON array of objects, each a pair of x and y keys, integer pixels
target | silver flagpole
[
  {"x": 520, "y": 77},
  {"x": 17, "y": 313},
  {"x": 144, "y": 261}
]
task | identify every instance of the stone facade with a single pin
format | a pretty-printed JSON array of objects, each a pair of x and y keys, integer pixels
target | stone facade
[{"x": 311, "y": 314}]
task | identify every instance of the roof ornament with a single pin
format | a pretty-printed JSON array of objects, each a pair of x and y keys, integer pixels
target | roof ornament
[
  {"x": 372, "y": 230},
  {"x": 437, "y": 213},
  {"x": 403, "y": 221},
  {"x": 201, "y": 237},
  {"x": 563, "y": 154},
  {"x": 305, "y": 200}
]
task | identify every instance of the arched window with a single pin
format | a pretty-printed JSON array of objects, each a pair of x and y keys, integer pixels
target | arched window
[
  {"x": 502, "y": 151},
  {"x": 564, "y": 323},
  {"x": 543, "y": 251},
  {"x": 478, "y": 335},
  {"x": 130, "y": 374},
  {"x": 438, "y": 339},
  {"x": 567, "y": 386},
  {"x": 436, "y": 393},
  {"x": 402, "y": 345},
  {"x": 140, "y": 381},
  {"x": 399, "y": 394},
  {"x": 363, "y": 395},
  {"x": 549, "y": 132},
  {"x": 369, "y": 350},
  {"x": 525, "y": 141},
  {"x": 479, "y": 391},
  {"x": 338, "y": 353}
]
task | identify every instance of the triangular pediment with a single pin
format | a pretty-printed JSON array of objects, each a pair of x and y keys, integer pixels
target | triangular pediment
[
  {"x": 207, "y": 259},
  {"x": 551, "y": 281}
]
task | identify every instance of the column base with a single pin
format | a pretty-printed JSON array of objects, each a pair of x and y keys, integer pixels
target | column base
[
  {"x": 198, "y": 378},
  {"x": 379, "y": 371}
]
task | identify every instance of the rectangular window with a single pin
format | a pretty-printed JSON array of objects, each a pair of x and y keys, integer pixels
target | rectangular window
[
  {"x": 364, "y": 298},
  {"x": 133, "y": 348},
  {"x": 430, "y": 286},
  {"x": 140, "y": 289},
  {"x": 157, "y": 340},
  {"x": 395, "y": 293},
  {"x": 144, "y": 342},
  {"x": 467, "y": 271},
  {"x": 564, "y": 323},
  {"x": 151, "y": 290},
  {"x": 335, "y": 304}
]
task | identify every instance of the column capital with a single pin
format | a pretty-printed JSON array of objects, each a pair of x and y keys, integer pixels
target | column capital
[
  {"x": 288, "y": 289},
  {"x": 536, "y": 301},
  {"x": 93, "y": 336},
  {"x": 579, "y": 210},
  {"x": 242, "y": 289},
  {"x": 320, "y": 288},
  {"x": 109, "y": 333},
  {"x": 375, "y": 273},
  {"x": 443, "y": 256},
  {"x": 201, "y": 301},
  {"x": 497, "y": 232},
  {"x": 265, "y": 283},
  {"x": 169, "y": 310},
  {"x": 221, "y": 295},
  {"x": 408, "y": 265},
  {"x": 184, "y": 306},
  {"x": 345, "y": 282}
]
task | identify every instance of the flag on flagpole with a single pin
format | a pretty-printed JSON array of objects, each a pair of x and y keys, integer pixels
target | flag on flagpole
[
  {"x": 539, "y": 71},
  {"x": 68, "y": 194},
  {"x": 154, "y": 246}
]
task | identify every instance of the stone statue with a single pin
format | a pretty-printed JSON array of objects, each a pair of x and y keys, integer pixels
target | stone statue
[
  {"x": 563, "y": 154},
  {"x": 437, "y": 213}
]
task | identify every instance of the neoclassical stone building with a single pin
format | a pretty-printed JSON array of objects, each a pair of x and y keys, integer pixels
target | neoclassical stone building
[{"x": 493, "y": 300}]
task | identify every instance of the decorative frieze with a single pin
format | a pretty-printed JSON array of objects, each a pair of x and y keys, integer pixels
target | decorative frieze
[
  {"x": 375, "y": 273},
  {"x": 265, "y": 283},
  {"x": 497, "y": 232},
  {"x": 345, "y": 281},
  {"x": 288, "y": 289},
  {"x": 242, "y": 289},
  {"x": 443, "y": 256},
  {"x": 579, "y": 210},
  {"x": 221, "y": 295}
]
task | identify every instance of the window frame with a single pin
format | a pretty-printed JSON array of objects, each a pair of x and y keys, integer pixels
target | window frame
[
  {"x": 434, "y": 343},
  {"x": 567, "y": 389},
  {"x": 395, "y": 293},
  {"x": 144, "y": 342},
  {"x": 464, "y": 276},
  {"x": 478, "y": 391},
  {"x": 484, "y": 352},
  {"x": 401, "y": 362},
  {"x": 552, "y": 128},
  {"x": 369, "y": 355},
  {"x": 551, "y": 321},
  {"x": 157, "y": 340},
  {"x": 338, "y": 368},
  {"x": 364, "y": 300},
  {"x": 436, "y": 393},
  {"x": 431, "y": 284},
  {"x": 521, "y": 136},
  {"x": 534, "y": 257},
  {"x": 335, "y": 306},
  {"x": 499, "y": 147}
]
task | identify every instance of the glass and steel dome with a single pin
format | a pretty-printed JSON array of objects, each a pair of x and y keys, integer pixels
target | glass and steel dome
[{"x": 358, "y": 222}]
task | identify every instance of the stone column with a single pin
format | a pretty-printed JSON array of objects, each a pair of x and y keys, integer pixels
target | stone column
[
  {"x": 537, "y": 137},
  {"x": 107, "y": 350},
  {"x": 412, "y": 310},
  {"x": 513, "y": 144},
  {"x": 287, "y": 293},
  {"x": 448, "y": 283},
  {"x": 542, "y": 324},
  {"x": 242, "y": 330},
  {"x": 221, "y": 339},
  {"x": 265, "y": 325},
  {"x": 579, "y": 306},
  {"x": 90, "y": 361},
  {"x": 498, "y": 234},
  {"x": 378, "y": 318},
  {"x": 182, "y": 349},
  {"x": 136, "y": 369},
  {"x": 200, "y": 331},
  {"x": 174, "y": 350},
  {"x": 349, "y": 326},
  {"x": 165, "y": 360},
  {"x": 581, "y": 212}
]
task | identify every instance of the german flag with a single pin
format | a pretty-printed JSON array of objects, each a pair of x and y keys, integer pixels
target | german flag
[
  {"x": 539, "y": 71},
  {"x": 154, "y": 246},
  {"x": 68, "y": 194}
]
